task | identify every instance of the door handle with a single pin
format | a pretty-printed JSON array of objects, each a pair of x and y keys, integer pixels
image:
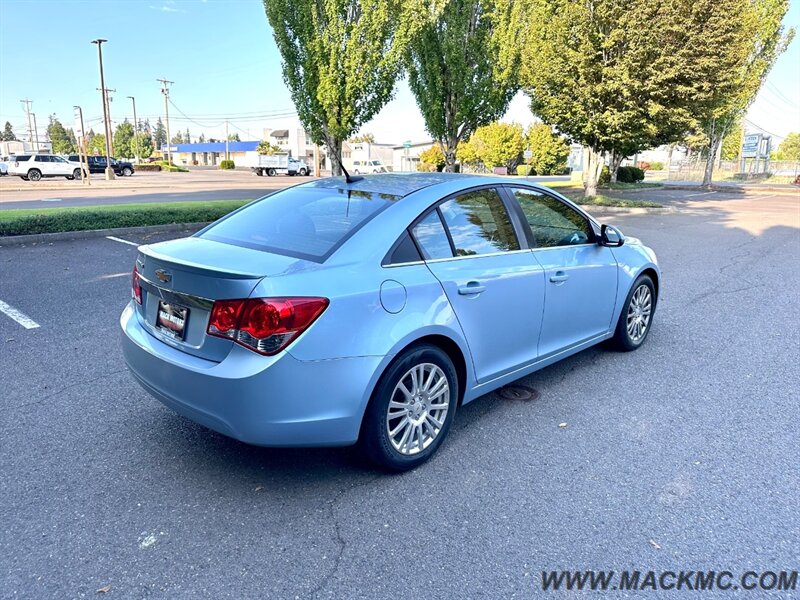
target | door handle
[
  {"x": 472, "y": 287},
  {"x": 559, "y": 277}
]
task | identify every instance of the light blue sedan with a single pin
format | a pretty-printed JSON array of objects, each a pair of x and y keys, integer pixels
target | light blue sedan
[{"x": 332, "y": 313}]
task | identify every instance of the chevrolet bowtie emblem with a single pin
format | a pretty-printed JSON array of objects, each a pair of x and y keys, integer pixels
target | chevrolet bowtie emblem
[{"x": 163, "y": 276}]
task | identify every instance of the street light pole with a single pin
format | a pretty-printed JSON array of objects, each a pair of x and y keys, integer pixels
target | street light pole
[
  {"x": 109, "y": 170},
  {"x": 135, "y": 128}
]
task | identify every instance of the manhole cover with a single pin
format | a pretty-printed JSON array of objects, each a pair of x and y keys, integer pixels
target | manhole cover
[{"x": 518, "y": 392}]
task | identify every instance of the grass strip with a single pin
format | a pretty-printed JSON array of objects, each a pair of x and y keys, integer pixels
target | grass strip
[
  {"x": 619, "y": 185},
  {"x": 601, "y": 200},
  {"x": 82, "y": 218}
]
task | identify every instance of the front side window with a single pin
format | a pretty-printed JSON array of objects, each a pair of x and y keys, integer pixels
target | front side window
[
  {"x": 552, "y": 222},
  {"x": 305, "y": 221},
  {"x": 479, "y": 224}
]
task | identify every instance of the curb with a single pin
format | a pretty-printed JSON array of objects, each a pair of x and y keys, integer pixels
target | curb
[
  {"x": 736, "y": 190},
  {"x": 46, "y": 238}
]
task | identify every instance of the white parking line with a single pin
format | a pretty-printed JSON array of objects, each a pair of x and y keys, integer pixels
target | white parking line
[
  {"x": 51, "y": 199},
  {"x": 116, "y": 239},
  {"x": 19, "y": 317}
]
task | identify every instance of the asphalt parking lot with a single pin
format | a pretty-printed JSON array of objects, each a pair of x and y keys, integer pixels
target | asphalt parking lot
[{"x": 682, "y": 455}]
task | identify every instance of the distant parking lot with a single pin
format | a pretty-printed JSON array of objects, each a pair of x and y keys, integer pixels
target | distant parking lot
[{"x": 681, "y": 455}]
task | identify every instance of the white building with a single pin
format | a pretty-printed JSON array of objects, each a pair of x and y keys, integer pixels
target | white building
[{"x": 405, "y": 158}]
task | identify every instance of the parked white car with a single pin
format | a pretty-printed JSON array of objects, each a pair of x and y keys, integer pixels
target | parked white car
[
  {"x": 368, "y": 166},
  {"x": 32, "y": 167}
]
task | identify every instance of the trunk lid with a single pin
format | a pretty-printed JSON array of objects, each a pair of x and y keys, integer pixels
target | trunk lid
[{"x": 181, "y": 279}]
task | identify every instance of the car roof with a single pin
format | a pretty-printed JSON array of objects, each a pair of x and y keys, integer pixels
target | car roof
[{"x": 395, "y": 184}]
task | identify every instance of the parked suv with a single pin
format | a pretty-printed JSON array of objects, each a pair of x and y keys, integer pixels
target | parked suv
[
  {"x": 97, "y": 164},
  {"x": 35, "y": 166}
]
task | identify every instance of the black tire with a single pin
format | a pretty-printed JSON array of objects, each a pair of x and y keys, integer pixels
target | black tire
[
  {"x": 34, "y": 175},
  {"x": 623, "y": 340},
  {"x": 271, "y": 172},
  {"x": 302, "y": 172},
  {"x": 375, "y": 440},
  {"x": 259, "y": 172},
  {"x": 127, "y": 172},
  {"x": 76, "y": 174}
]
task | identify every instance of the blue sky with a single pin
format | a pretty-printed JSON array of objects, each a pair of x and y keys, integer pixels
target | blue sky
[{"x": 224, "y": 63}]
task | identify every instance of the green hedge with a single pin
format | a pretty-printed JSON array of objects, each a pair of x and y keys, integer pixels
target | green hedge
[
  {"x": 605, "y": 175},
  {"x": 656, "y": 166},
  {"x": 54, "y": 220},
  {"x": 148, "y": 167},
  {"x": 524, "y": 170},
  {"x": 227, "y": 165},
  {"x": 630, "y": 175}
]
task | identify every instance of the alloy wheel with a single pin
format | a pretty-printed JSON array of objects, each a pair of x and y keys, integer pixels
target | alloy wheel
[
  {"x": 418, "y": 408},
  {"x": 639, "y": 311}
]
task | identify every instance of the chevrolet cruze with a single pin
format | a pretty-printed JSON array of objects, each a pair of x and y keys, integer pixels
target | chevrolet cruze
[{"x": 367, "y": 311}]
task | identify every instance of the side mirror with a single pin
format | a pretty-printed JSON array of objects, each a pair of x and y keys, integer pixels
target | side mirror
[{"x": 611, "y": 236}]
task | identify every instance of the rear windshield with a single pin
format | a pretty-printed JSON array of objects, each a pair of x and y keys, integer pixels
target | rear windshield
[{"x": 304, "y": 222}]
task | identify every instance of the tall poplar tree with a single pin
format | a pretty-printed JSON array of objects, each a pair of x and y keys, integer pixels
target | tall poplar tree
[
  {"x": 341, "y": 59},
  {"x": 463, "y": 68}
]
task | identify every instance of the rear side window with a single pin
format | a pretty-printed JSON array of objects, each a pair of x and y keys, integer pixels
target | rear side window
[
  {"x": 304, "y": 222},
  {"x": 42, "y": 158},
  {"x": 19, "y": 157},
  {"x": 479, "y": 223}
]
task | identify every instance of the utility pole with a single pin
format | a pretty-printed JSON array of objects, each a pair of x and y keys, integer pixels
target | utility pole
[
  {"x": 165, "y": 90},
  {"x": 227, "y": 137},
  {"x": 109, "y": 170},
  {"x": 135, "y": 129},
  {"x": 27, "y": 104},
  {"x": 35, "y": 131},
  {"x": 82, "y": 150}
]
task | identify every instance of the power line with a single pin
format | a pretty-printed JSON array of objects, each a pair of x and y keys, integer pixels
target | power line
[{"x": 762, "y": 130}]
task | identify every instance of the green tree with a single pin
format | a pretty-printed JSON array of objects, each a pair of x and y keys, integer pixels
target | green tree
[
  {"x": 733, "y": 47},
  {"x": 732, "y": 143},
  {"x": 201, "y": 139},
  {"x": 463, "y": 67},
  {"x": 159, "y": 135},
  {"x": 7, "y": 134},
  {"x": 187, "y": 138},
  {"x": 364, "y": 137},
  {"x": 789, "y": 148},
  {"x": 609, "y": 74},
  {"x": 177, "y": 138},
  {"x": 341, "y": 59},
  {"x": 59, "y": 137},
  {"x": 467, "y": 152},
  {"x": 121, "y": 145},
  {"x": 549, "y": 151},
  {"x": 434, "y": 157},
  {"x": 97, "y": 144},
  {"x": 234, "y": 137},
  {"x": 266, "y": 147},
  {"x": 499, "y": 144},
  {"x": 144, "y": 144}
]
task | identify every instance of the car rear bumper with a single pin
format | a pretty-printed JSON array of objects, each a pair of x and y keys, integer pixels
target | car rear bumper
[{"x": 267, "y": 401}]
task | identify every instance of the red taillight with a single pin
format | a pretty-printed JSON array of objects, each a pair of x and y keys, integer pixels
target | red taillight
[
  {"x": 136, "y": 288},
  {"x": 265, "y": 325}
]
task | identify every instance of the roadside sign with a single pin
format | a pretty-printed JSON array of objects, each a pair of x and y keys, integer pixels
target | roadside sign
[
  {"x": 527, "y": 154},
  {"x": 407, "y": 144},
  {"x": 750, "y": 145}
]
